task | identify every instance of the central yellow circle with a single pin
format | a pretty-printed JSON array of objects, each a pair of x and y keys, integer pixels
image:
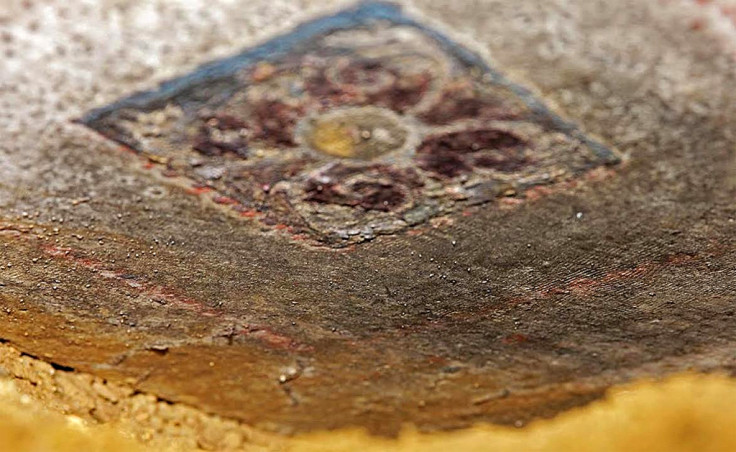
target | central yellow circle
[
  {"x": 355, "y": 133},
  {"x": 333, "y": 138}
]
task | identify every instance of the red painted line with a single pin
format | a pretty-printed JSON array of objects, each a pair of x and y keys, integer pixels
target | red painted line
[
  {"x": 224, "y": 200},
  {"x": 170, "y": 296},
  {"x": 198, "y": 190},
  {"x": 248, "y": 213}
]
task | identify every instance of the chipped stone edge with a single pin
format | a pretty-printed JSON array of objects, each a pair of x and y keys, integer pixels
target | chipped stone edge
[{"x": 151, "y": 420}]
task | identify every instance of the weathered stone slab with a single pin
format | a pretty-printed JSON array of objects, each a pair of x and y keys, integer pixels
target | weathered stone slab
[{"x": 507, "y": 262}]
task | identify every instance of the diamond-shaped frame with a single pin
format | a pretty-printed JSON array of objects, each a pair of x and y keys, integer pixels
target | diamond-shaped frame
[{"x": 361, "y": 123}]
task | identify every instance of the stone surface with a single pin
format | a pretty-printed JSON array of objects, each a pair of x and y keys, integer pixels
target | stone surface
[{"x": 508, "y": 310}]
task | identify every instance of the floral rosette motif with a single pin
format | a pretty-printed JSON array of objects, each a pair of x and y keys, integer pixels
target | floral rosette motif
[{"x": 353, "y": 134}]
